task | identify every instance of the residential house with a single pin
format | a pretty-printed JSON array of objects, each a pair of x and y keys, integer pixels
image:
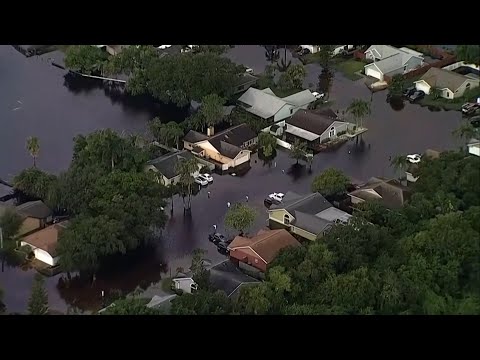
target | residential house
[
  {"x": 245, "y": 81},
  {"x": 452, "y": 85},
  {"x": 44, "y": 243},
  {"x": 315, "y": 127},
  {"x": 390, "y": 61},
  {"x": 412, "y": 168},
  {"x": 228, "y": 149},
  {"x": 166, "y": 166},
  {"x": 260, "y": 250},
  {"x": 311, "y": 48},
  {"x": 474, "y": 147},
  {"x": 307, "y": 216},
  {"x": 35, "y": 214},
  {"x": 6, "y": 191},
  {"x": 266, "y": 105},
  {"x": 338, "y": 49},
  {"x": 186, "y": 285},
  {"x": 390, "y": 193},
  {"x": 228, "y": 278}
]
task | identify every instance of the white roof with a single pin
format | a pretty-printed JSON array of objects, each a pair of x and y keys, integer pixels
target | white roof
[
  {"x": 304, "y": 134},
  {"x": 262, "y": 103},
  {"x": 183, "y": 280},
  {"x": 383, "y": 51},
  {"x": 300, "y": 99},
  {"x": 412, "y": 52},
  {"x": 332, "y": 214}
]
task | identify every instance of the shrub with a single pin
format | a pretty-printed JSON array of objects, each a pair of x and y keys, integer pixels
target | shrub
[{"x": 205, "y": 170}]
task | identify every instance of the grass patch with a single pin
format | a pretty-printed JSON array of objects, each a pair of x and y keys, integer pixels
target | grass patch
[
  {"x": 349, "y": 67},
  {"x": 166, "y": 283},
  {"x": 441, "y": 103},
  {"x": 311, "y": 58}
]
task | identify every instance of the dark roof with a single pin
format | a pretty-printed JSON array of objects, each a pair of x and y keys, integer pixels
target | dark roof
[
  {"x": 194, "y": 137},
  {"x": 308, "y": 204},
  {"x": 237, "y": 135},
  {"x": 329, "y": 113},
  {"x": 310, "y": 223},
  {"x": 228, "y": 278},
  {"x": 274, "y": 127},
  {"x": 224, "y": 148},
  {"x": 389, "y": 192},
  {"x": 5, "y": 190},
  {"x": 34, "y": 209},
  {"x": 246, "y": 78},
  {"x": 167, "y": 164},
  {"x": 310, "y": 121}
]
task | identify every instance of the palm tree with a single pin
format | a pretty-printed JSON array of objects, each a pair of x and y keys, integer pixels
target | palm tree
[
  {"x": 466, "y": 131},
  {"x": 185, "y": 169},
  {"x": 33, "y": 147},
  {"x": 298, "y": 150},
  {"x": 359, "y": 109},
  {"x": 399, "y": 163},
  {"x": 173, "y": 132}
]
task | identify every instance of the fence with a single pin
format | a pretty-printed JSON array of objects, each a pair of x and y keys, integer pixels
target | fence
[
  {"x": 460, "y": 64},
  {"x": 208, "y": 164}
]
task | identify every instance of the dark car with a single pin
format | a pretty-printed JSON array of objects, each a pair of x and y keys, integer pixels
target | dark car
[
  {"x": 417, "y": 95},
  {"x": 216, "y": 238},
  {"x": 475, "y": 121},
  {"x": 409, "y": 91},
  {"x": 222, "y": 247},
  {"x": 470, "y": 108}
]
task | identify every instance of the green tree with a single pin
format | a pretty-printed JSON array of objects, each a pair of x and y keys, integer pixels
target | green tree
[
  {"x": 186, "y": 169},
  {"x": 435, "y": 93},
  {"x": 331, "y": 182},
  {"x": 359, "y": 109},
  {"x": 38, "y": 302},
  {"x": 240, "y": 116},
  {"x": 396, "y": 86},
  {"x": 325, "y": 55},
  {"x": 201, "y": 303},
  {"x": 10, "y": 223},
  {"x": 267, "y": 144},
  {"x": 168, "y": 134},
  {"x": 215, "y": 49},
  {"x": 325, "y": 82},
  {"x": 35, "y": 183},
  {"x": 296, "y": 74},
  {"x": 200, "y": 274},
  {"x": 33, "y": 147},
  {"x": 240, "y": 217},
  {"x": 298, "y": 150},
  {"x": 131, "y": 306},
  {"x": 86, "y": 59},
  {"x": 468, "y": 53},
  {"x": 400, "y": 163},
  {"x": 466, "y": 131},
  {"x": 211, "y": 111},
  {"x": 254, "y": 300}
]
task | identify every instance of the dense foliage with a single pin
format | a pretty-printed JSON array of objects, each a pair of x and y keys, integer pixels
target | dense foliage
[
  {"x": 330, "y": 182},
  {"x": 131, "y": 306},
  {"x": 86, "y": 59},
  {"x": 38, "y": 302},
  {"x": 240, "y": 217}
]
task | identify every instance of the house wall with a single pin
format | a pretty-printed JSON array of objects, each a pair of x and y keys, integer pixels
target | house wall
[
  {"x": 461, "y": 90},
  {"x": 212, "y": 153},
  {"x": 29, "y": 224},
  {"x": 371, "y": 70},
  {"x": 302, "y": 233},
  {"x": 242, "y": 157},
  {"x": 42, "y": 255},
  {"x": 339, "y": 126},
  {"x": 413, "y": 63},
  {"x": 187, "y": 145},
  {"x": 278, "y": 215},
  {"x": 249, "y": 257},
  {"x": 356, "y": 200},
  {"x": 185, "y": 286},
  {"x": 410, "y": 177},
  {"x": 285, "y": 112},
  {"x": 423, "y": 86},
  {"x": 474, "y": 150}
]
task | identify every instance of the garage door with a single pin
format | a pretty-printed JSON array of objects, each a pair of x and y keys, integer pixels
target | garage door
[
  {"x": 373, "y": 72},
  {"x": 423, "y": 87}
]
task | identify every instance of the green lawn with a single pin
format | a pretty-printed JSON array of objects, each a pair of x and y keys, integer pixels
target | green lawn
[
  {"x": 349, "y": 67},
  {"x": 441, "y": 103}
]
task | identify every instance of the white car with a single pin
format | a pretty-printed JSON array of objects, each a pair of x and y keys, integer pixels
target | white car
[
  {"x": 208, "y": 177},
  {"x": 249, "y": 71},
  {"x": 414, "y": 158},
  {"x": 318, "y": 96},
  {"x": 276, "y": 196},
  {"x": 201, "y": 180},
  {"x": 163, "y": 47}
]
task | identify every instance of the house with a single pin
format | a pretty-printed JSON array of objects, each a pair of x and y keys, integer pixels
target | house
[
  {"x": 390, "y": 193},
  {"x": 474, "y": 147},
  {"x": 307, "y": 216},
  {"x": 228, "y": 278},
  {"x": 228, "y": 149},
  {"x": 186, "y": 285},
  {"x": 35, "y": 214},
  {"x": 412, "y": 168},
  {"x": 260, "y": 250},
  {"x": 314, "y": 127},
  {"x": 245, "y": 81},
  {"x": 114, "y": 49},
  {"x": 390, "y": 61},
  {"x": 6, "y": 191},
  {"x": 452, "y": 85},
  {"x": 266, "y": 105},
  {"x": 44, "y": 243},
  {"x": 311, "y": 48},
  {"x": 338, "y": 49},
  {"x": 166, "y": 166}
]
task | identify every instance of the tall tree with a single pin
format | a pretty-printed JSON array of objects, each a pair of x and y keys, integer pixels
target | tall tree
[
  {"x": 466, "y": 131},
  {"x": 296, "y": 73},
  {"x": 325, "y": 82},
  {"x": 86, "y": 59},
  {"x": 468, "y": 53},
  {"x": 33, "y": 147},
  {"x": 168, "y": 134},
  {"x": 359, "y": 109},
  {"x": 186, "y": 169},
  {"x": 35, "y": 183},
  {"x": 267, "y": 144},
  {"x": 435, "y": 92},
  {"x": 240, "y": 217},
  {"x": 400, "y": 163},
  {"x": 10, "y": 223},
  {"x": 201, "y": 303},
  {"x": 396, "y": 86},
  {"x": 211, "y": 110},
  {"x": 38, "y": 302},
  {"x": 298, "y": 150},
  {"x": 325, "y": 55},
  {"x": 200, "y": 274},
  {"x": 331, "y": 182}
]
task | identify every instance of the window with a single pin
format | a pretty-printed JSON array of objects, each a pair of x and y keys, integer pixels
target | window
[
  {"x": 286, "y": 220},
  {"x": 331, "y": 133},
  {"x": 448, "y": 94},
  {"x": 405, "y": 68},
  {"x": 467, "y": 86},
  {"x": 291, "y": 111}
]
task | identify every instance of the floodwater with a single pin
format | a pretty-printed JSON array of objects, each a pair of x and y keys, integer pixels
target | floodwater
[{"x": 56, "y": 111}]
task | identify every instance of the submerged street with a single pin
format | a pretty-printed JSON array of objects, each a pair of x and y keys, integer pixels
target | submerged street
[{"x": 56, "y": 111}]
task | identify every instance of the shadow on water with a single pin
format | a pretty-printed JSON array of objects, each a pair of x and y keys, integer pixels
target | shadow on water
[
  {"x": 118, "y": 274},
  {"x": 396, "y": 103},
  {"x": 297, "y": 171},
  {"x": 130, "y": 104}
]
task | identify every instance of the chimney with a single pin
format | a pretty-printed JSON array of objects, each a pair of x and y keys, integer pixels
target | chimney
[{"x": 210, "y": 131}]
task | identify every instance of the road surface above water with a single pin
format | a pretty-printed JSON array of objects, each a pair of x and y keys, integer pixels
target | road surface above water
[{"x": 55, "y": 113}]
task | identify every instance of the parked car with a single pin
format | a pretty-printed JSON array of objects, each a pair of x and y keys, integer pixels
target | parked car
[
  {"x": 201, "y": 180},
  {"x": 475, "y": 121},
  {"x": 208, "y": 177},
  {"x": 216, "y": 238},
  {"x": 222, "y": 248},
  {"x": 414, "y": 158},
  {"x": 409, "y": 91},
  {"x": 417, "y": 95},
  {"x": 276, "y": 197},
  {"x": 317, "y": 95},
  {"x": 470, "y": 108}
]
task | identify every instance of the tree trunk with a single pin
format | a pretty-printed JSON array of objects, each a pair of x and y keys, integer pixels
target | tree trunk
[
  {"x": 297, "y": 161},
  {"x": 113, "y": 164},
  {"x": 172, "y": 205},
  {"x": 34, "y": 161}
]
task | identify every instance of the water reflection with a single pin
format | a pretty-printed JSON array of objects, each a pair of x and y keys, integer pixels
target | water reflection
[{"x": 396, "y": 103}]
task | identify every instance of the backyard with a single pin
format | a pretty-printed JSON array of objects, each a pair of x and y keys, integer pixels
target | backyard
[{"x": 350, "y": 67}]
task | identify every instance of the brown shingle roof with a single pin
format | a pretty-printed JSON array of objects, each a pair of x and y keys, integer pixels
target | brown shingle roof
[
  {"x": 46, "y": 239},
  {"x": 35, "y": 209},
  {"x": 266, "y": 243},
  {"x": 307, "y": 120},
  {"x": 389, "y": 192},
  {"x": 441, "y": 79}
]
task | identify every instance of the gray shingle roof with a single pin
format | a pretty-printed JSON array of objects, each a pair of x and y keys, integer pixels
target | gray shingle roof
[
  {"x": 194, "y": 137},
  {"x": 389, "y": 192},
  {"x": 310, "y": 223},
  {"x": 308, "y": 204},
  {"x": 301, "y": 98},
  {"x": 226, "y": 277},
  {"x": 310, "y": 121},
  {"x": 383, "y": 51},
  {"x": 440, "y": 78},
  {"x": 35, "y": 209},
  {"x": 261, "y": 103},
  {"x": 167, "y": 164},
  {"x": 5, "y": 190}
]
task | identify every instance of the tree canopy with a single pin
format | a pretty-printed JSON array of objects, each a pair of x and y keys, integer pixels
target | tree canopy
[
  {"x": 131, "y": 306},
  {"x": 38, "y": 302},
  {"x": 468, "y": 53},
  {"x": 86, "y": 59},
  {"x": 330, "y": 182},
  {"x": 267, "y": 143},
  {"x": 293, "y": 78},
  {"x": 240, "y": 217},
  {"x": 298, "y": 150}
]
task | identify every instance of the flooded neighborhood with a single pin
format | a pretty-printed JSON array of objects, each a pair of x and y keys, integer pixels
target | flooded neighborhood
[{"x": 44, "y": 101}]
